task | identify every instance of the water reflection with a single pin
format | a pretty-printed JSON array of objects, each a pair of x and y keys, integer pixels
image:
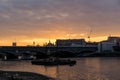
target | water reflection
[
  {"x": 85, "y": 69},
  {"x": 93, "y": 68},
  {"x": 52, "y": 71}
]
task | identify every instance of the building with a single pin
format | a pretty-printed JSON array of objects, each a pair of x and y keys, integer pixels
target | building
[
  {"x": 14, "y": 44},
  {"x": 91, "y": 44},
  {"x": 49, "y": 44},
  {"x": 114, "y": 39},
  {"x": 75, "y": 43},
  {"x": 70, "y": 42},
  {"x": 107, "y": 46}
]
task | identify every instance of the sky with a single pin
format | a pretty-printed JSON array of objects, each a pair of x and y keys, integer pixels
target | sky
[{"x": 28, "y": 21}]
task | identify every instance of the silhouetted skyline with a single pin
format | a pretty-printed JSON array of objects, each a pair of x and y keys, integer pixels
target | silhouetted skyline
[{"x": 25, "y": 21}]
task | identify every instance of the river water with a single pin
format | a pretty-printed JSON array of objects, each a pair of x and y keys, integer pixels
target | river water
[{"x": 85, "y": 69}]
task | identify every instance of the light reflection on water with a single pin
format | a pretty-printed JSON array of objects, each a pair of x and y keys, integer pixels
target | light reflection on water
[{"x": 85, "y": 69}]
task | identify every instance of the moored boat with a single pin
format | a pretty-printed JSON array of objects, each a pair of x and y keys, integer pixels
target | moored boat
[{"x": 53, "y": 61}]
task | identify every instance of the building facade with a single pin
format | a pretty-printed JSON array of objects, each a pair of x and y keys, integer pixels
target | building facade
[
  {"x": 107, "y": 46},
  {"x": 70, "y": 42}
]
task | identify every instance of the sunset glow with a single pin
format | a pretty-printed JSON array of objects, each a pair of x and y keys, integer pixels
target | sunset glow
[{"x": 28, "y": 21}]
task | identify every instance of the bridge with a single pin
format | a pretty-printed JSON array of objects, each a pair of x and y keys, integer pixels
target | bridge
[{"x": 18, "y": 50}]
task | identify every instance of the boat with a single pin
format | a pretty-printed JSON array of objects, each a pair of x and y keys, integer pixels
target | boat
[{"x": 53, "y": 62}]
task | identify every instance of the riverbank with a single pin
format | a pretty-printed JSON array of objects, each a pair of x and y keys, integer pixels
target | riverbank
[{"x": 16, "y": 75}]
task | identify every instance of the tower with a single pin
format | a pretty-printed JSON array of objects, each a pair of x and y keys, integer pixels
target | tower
[{"x": 14, "y": 44}]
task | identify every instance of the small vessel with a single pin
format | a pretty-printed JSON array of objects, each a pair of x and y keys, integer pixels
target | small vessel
[{"x": 53, "y": 62}]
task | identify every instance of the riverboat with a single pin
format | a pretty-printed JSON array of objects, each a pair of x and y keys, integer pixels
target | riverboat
[{"x": 53, "y": 62}]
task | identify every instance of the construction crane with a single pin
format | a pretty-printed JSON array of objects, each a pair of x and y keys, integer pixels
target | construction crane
[{"x": 89, "y": 35}]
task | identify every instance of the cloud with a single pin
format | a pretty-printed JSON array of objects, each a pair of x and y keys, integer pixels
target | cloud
[{"x": 27, "y": 17}]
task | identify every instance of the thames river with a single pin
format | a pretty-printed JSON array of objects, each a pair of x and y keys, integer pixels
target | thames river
[{"x": 85, "y": 69}]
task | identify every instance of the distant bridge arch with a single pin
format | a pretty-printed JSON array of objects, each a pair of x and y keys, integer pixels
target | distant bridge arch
[{"x": 40, "y": 50}]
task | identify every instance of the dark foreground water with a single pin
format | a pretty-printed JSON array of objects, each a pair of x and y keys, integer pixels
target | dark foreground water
[{"x": 85, "y": 69}]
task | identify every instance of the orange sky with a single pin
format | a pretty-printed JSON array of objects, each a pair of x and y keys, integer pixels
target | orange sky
[
  {"x": 25, "y": 21},
  {"x": 40, "y": 41}
]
